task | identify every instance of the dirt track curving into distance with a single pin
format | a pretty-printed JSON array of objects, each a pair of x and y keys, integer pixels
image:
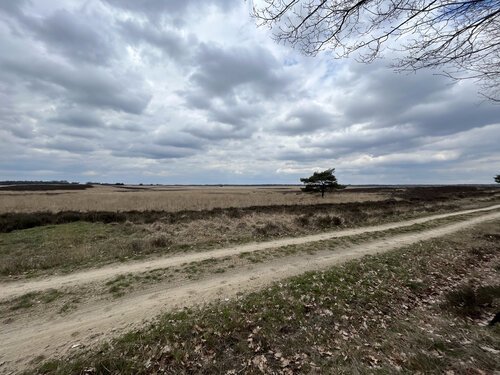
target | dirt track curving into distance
[
  {"x": 99, "y": 320},
  {"x": 13, "y": 289}
]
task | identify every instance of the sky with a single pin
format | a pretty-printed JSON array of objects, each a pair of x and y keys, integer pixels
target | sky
[{"x": 193, "y": 92}]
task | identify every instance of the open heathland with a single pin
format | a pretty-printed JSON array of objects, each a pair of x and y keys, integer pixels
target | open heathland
[
  {"x": 172, "y": 199},
  {"x": 73, "y": 281},
  {"x": 70, "y": 240},
  {"x": 185, "y": 198}
]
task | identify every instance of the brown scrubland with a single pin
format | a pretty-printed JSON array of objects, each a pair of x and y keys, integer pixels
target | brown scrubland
[
  {"x": 172, "y": 199},
  {"x": 364, "y": 316}
]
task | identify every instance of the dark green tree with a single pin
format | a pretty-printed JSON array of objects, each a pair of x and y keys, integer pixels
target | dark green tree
[
  {"x": 321, "y": 182},
  {"x": 497, "y": 178}
]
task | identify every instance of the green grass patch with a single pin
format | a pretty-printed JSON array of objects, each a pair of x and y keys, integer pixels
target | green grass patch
[
  {"x": 64, "y": 246},
  {"x": 28, "y": 300}
]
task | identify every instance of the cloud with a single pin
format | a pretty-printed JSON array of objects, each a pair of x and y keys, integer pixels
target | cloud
[
  {"x": 157, "y": 9},
  {"x": 353, "y": 138},
  {"x": 78, "y": 119},
  {"x": 89, "y": 85},
  {"x": 170, "y": 41},
  {"x": 77, "y": 35},
  {"x": 376, "y": 95},
  {"x": 306, "y": 119},
  {"x": 145, "y": 90},
  {"x": 70, "y": 145},
  {"x": 222, "y": 71},
  {"x": 229, "y": 88},
  {"x": 154, "y": 152}
]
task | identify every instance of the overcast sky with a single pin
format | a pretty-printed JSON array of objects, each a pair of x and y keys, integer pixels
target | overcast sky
[{"x": 191, "y": 91}]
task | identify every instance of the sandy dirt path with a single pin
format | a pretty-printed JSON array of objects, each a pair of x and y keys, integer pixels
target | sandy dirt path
[
  {"x": 55, "y": 336},
  {"x": 13, "y": 289}
]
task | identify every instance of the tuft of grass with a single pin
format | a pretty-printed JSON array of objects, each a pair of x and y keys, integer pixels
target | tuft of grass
[
  {"x": 159, "y": 240},
  {"x": 328, "y": 221},
  {"x": 28, "y": 300},
  {"x": 469, "y": 301},
  {"x": 25, "y": 301},
  {"x": 268, "y": 230},
  {"x": 119, "y": 285}
]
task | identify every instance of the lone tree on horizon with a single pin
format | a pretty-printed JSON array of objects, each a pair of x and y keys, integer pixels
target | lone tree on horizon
[
  {"x": 463, "y": 35},
  {"x": 321, "y": 182},
  {"x": 497, "y": 178}
]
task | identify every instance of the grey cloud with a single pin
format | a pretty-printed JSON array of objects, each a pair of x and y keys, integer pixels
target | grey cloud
[
  {"x": 237, "y": 115},
  {"x": 305, "y": 120},
  {"x": 13, "y": 121},
  {"x": 451, "y": 116},
  {"x": 374, "y": 141},
  {"x": 13, "y": 7},
  {"x": 374, "y": 90},
  {"x": 87, "y": 85},
  {"x": 230, "y": 86},
  {"x": 79, "y": 119},
  {"x": 158, "y": 9},
  {"x": 305, "y": 155},
  {"x": 75, "y": 96},
  {"x": 196, "y": 99},
  {"x": 474, "y": 143},
  {"x": 83, "y": 133},
  {"x": 155, "y": 152},
  {"x": 69, "y": 145},
  {"x": 80, "y": 37},
  {"x": 221, "y": 71},
  {"x": 126, "y": 125},
  {"x": 18, "y": 128},
  {"x": 179, "y": 140},
  {"x": 235, "y": 120},
  {"x": 165, "y": 144},
  {"x": 431, "y": 103},
  {"x": 218, "y": 132},
  {"x": 170, "y": 41}
]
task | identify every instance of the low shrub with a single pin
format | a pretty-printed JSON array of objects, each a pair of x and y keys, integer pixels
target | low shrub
[
  {"x": 327, "y": 221},
  {"x": 303, "y": 220},
  {"x": 137, "y": 246},
  {"x": 159, "y": 240},
  {"x": 267, "y": 229},
  {"x": 468, "y": 301}
]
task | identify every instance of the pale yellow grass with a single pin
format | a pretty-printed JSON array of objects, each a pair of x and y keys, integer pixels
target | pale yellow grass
[{"x": 107, "y": 198}]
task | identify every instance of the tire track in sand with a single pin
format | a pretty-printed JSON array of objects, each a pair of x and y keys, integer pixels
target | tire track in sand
[{"x": 13, "y": 289}]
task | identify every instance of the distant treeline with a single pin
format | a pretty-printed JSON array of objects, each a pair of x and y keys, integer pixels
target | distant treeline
[
  {"x": 43, "y": 187},
  {"x": 54, "y": 182}
]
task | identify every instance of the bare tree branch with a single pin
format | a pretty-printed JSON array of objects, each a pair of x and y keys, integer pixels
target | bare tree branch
[{"x": 460, "y": 35}]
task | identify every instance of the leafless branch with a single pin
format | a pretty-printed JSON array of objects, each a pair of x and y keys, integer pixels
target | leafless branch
[{"x": 464, "y": 35}]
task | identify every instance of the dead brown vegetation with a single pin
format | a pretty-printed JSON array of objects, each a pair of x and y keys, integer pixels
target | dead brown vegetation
[
  {"x": 110, "y": 198},
  {"x": 349, "y": 211}
]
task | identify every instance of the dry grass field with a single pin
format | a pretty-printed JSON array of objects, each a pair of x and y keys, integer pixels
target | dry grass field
[
  {"x": 172, "y": 199},
  {"x": 117, "y": 224},
  {"x": 79, "y": 267}
]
